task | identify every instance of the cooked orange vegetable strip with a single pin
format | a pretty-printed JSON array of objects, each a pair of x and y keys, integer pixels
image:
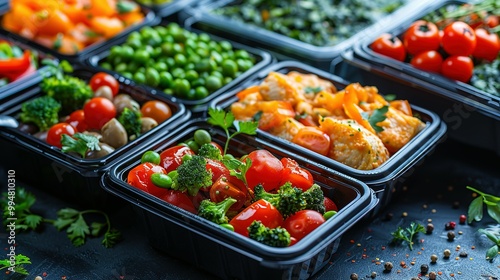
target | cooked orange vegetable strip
[
  {"x": 244, "y": 93},
  {"x": 351, "y": 106}
]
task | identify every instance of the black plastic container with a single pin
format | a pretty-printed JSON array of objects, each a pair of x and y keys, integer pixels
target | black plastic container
[
  {"x": 149, "y": 18},
  {"x": 262, "y": 59},
  {"x": 385, "y": 179},
  {"x": 281, "y": 46},
  {"x": 45, "y": 167},
  {"x": 170, "y": 8},
  {"x": 222, "y": 252}
]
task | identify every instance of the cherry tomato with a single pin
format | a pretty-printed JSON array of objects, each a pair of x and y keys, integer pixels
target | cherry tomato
[
  {"x": 217, "y": 168},
  {"x": 223, "y": 188},
  {"x": 492, "y": 21},
  {"x": 389, "y": 45},
  {"x": 157, "y": 110},
  {"x": 313, "y": 139},
  {"x": 56, "y": 131},
  {"x": 459, "y": 68},
  {"x": 98, "y": 111},
  {"x": 487, "y": 45},
  {"x": 171, "y": 158},
  {"x": 428, "y": 61},
  {"x": 298, "y": 176},
  {"x": 458, "y": 39},
  {"x": 179, "y": 199},
  {"x": 266, "y": 169},
  {"x": 77, "y": 120},
  {"x": 302, "y": 223},
  {"x": 421, "y": 36},
  {"x": 140, "y": 177},
  {"x": 218, "y": 147},
  {"x": 104, "y": 79},
  {"x": 330, "y": 205},
  {"x": 274, "y": 113},
  {"x": 261, "y": 210},
  {"x": 307, "y": 120}
]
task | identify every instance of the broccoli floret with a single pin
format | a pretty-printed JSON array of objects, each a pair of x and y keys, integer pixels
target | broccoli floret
[
  {"x": 42, "y": 111},
  {"x": 215, "y": 211},
  {"x": 131, "y": 121},
  {"x": 314, "y": 198},
  {"x": 71, "y": 92},
  {"x": 275, "y": 237},
  {"x": 191, "y": 175},
  {"x": 287, "y": 199},
  {"x": 208, "y": 150}
]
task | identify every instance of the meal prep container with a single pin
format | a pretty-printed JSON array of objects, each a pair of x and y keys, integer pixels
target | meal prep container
[
  {"x": 466, "y": 109},
  {"x": 385, "y": 179},
  {"x": 227, "y": 254},
  {"x": 149, "y": 18},
  {"x": 72, "y": 178},
  {"x": 281, "y": 46},
  {"x": 262, "y": 59},
  {"x": 169, "y": 8}
]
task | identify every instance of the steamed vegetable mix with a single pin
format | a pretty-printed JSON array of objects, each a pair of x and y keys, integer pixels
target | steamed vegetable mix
[
  {"x": 70, "y": 26},
  {"x": 273, "y": 201},
  {"x": 15, "y": 63},
  {"x": 89, "y": 119},
  {"x": 316, "y": 22},
  {"x": 179, "y": 62}
]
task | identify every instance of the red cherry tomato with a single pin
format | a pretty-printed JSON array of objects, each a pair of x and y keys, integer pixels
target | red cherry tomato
[
  {"x": 459, "y": 68},
  {"x": 140, "y": 177},
  {"x": 98, "y": 111},
  {"x": 298, "y": 176},
  {"x": 389, "y": 45},
  {"x": 302, "y": 223},
  {"x": 458, "y": 39},
  {"x": 428, "y": 61},
  {"x": 217, "y": 168},
  {"x": 218, "y": 147},
  {"x": 179, "y": 199},
  {"x": 487, "y": 45},
  {"x": 157, "y": 110},
  {"x": 421, "y": 36},
  {"x": 330, "y": 205},
  {"x": 54, "y": 135},
  {"x": 171, "y": 158},
  {"x": 492, "y": 21},
  {"x": 260, "y": 210},
  {"x": 314, "y": 139},
  {"x": 104, "y": 79},
  {"x": 223, "y": 188},
  {"x": 77, "y": 120},
  {"x": 266, "y": 169}
]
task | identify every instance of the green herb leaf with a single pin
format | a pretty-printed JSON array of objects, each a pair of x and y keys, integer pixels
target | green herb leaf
[
  {"x": 490, "y": 235},
  {"x": 111, "y": 238},
  {"x": 494, "y": 212},
  {"x": 78, "y": 230},
  {"x": 407, "y": 234},
  {"x": 97, "y": 228},
  {"x": 492, "y": 203},
  {"x": 20, "y": 261},
  {"x": 475, "y": 212},
  {"x": 79, "y": 143},
  {"x": 33, "y": 221},
  {"x": 238, "y": 168},
  {"x": 377, "y": 116},
  {"x": 492, "y": 252},
  {"x": 124, "y": 7}
]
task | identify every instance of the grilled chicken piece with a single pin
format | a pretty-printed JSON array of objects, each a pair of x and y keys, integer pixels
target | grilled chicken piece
[
  {"x": 287, "y": 130},
  {"x": 399, "y": 129},
  {"x": 312, "y": 81},
  {"x": 278, "y": 86},
  {"x": 354, "y": 145}
]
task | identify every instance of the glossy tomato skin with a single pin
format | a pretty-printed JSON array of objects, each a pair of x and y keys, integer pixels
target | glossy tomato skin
[
  {"x": 314, "y": 139},
  {"x": 421, "y": 36},
  {"x": 171, "y": 158},
  {"x": 330, "y": 205},
  {"x": 458, "y": 39},
  {"x": 140, "y": 177},
  {"x": 98, "y": 111},
  {"x": 266, "y": 169},
  {"x": 54, "y": 135},
  {"x": 157, "y": 110},
  {"x": 179, "y": 199},
  {"x": 77, "y": 120},
  {"x": 459, "y": 68},
  {"x": 487, "y": 45},
  {"x": 217, "y": 168},
  {"x": 260, "y": 210},
  {"x": 389, "y": 45},
  {"x": 298, "y": 176},
  {"x": 429, "y": 61},
  {"x": 223, "y": 188},
  {"x": 302, "y": 223},
  {"x": 104, "y": 79}
]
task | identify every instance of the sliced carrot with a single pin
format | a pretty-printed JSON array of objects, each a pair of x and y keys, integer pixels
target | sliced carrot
[
  {"x": 330, "y": 101},
  {"x": 351, "y": 107},
  {"x": 249, "y": 90},
  {"x": 131, "y": 18},
  {"x": 102, "y": 8},
  {"x": 107, "y": 27},
  {"x": 18, "y": 16},
  {"x": 54, "y": 22}
]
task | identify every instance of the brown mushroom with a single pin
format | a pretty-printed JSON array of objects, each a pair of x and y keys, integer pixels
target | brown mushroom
[
  {"x": 114, "y": 134},
  {"x": 104, "y": 91},
  {"x": 147, "y": 124},
  {"x": 105, "y": 150},
  {"x": 122, "y": 101}
]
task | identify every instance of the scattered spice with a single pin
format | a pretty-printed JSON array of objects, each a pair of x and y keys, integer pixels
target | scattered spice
[
  {"x": 432, "y": 275},
  {"x": 373, "y": 275},
  {"x": 456, "y": 205},
  {"x": 433, "y": 210},
  {"x": 450, "y": 225},
  {"x": 354, "y": 276},
  {"x": 430, "y": 228},
  {"x": 389, "y": 216},
  {"x": 447, "y": 253},
  {"x": 434, "y": 258},
  {"x": 388, "y": 266},
  {"x": 463, "y": 254},
  {"x": 38, "y": 278},
  {"x": 451, "y": 235},
  {"x": 462, "y": 219},
  {"x": 405, "y": 214},
  {"x": 424, "y": 269}
]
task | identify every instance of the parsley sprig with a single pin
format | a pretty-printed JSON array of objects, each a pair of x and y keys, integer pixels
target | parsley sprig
[
  {"x": 18, "y": 267},
  {"x": 407, "y": 234},
  {"x": 494, "y": 250},
  {"x": 475, "y": 211},
  {"x": 377, "y": 116},
  {"x": 79, "y": 143}
]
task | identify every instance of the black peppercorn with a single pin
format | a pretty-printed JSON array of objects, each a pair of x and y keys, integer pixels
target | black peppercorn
[
  {"x": 430, "y": 228},
  {"x": 451, "y": 235},
  {"x": 424, "y": 269}
]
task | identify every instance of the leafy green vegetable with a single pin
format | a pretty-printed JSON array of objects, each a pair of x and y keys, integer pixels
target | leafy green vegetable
[
  {"x": 43, "y": 111},
  {"x": 494, "y": 250},
  {"x": 79, "y": 143},
  {"x": 376, "y": 117},
  {"x": 407, "y": 234},
  {"x": 18, "y": 267},
  {"x": 238, "y": 168},
  {"x": 475, "y": 211},
  {"x": 21, "y": 210},
  {"x": 131, "y": 121}
]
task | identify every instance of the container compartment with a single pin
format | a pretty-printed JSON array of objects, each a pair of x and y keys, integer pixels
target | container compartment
[
  {"x": 168, "y": 8},
  {"x": 70, "y": 177},
  {"x": 211, "y": 248},
  {"x": 384, "y": 179}
]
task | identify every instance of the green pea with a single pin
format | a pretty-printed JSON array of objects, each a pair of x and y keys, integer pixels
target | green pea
[
  {"x": 180, "y": 59},
  {"x": 141, "y": 56},
  {"x": 200, "y": 92},
  {"x": 151, "y": 156},
  {"x": 242, "y": 54},
  {"x": 229, "y": 68},
  {"x": 122, "y": 67},
  {"x": 191, "y": 94},
  {"x": 202, "y": 65},
  {"x": 244, "y": 65},
  {"x": 201, "y": 136},
  {"x": 187, "y": 157},
  {"x": 140, "y": 78},
  {"x": 192, "y": 75},
  {"x": 225, "y": 46},
  {"x": 161, "y": 180},
  {"x": 152, "y": 77},
  {"x": 193, "y": 146},
  {"x": 106, "y": 65},
  {"x": 181, "y": 87},
  {"x": 178, "y": 73},
  {"x": 329, "y": 214},
  {"x": 166, "y": 79},
  {"x": 161, "y": 66},
  {"x": 127, "y": 52},
  {"x": 227, "y": 226},
  {"x": 213, "y": 83}
]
